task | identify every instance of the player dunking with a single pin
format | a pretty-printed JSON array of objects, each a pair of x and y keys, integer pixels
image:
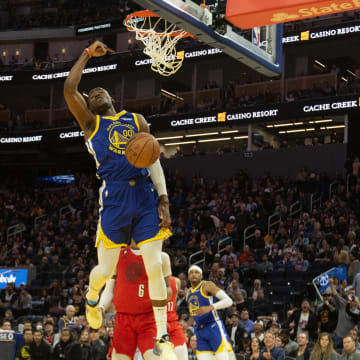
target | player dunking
[
  {"x": 129, "y": 207},
  {"x": 211, "y": 337},
  {"x": 134, "y": 321}
]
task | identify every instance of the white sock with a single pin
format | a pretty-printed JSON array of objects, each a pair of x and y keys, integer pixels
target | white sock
[{"x": 160, "y": 320}]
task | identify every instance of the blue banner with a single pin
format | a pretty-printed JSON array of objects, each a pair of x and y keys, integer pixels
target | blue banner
[
  {"x": 17, "y": 276},
  {"x": 339, "y": 272},
  {"x": 59, "y": 179}
]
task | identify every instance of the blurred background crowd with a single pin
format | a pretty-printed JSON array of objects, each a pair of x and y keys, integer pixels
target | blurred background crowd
[{"x": 268, "y": 275}]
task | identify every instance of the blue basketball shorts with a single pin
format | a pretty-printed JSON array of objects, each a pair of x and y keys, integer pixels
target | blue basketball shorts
[
  {"x": 129, "y": 210},
  {"x": 212, "y": 337}
]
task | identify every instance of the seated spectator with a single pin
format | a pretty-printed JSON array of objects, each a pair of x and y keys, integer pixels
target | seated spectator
[
  {"x": 245, "y": 322},
  {"x": 324, "y": 348},
  {"x": 254, "y": 291},
  {"x": 39, "y": 348},
  {"x": 236, "y": 333},
  {"x": 192, "y": 348},
  {"x": 261, "y": 305},
  {"x": 284, "y": 263},
  {"x": 68, "y": 320},
  {"x": 23, "y": 351},
  {"x": 97, "y": 345},
  {"x": 290, "y": 346},
  {"x": 304, "y": 349},
  {"x": 258, "y": 331},
  {"x": 265, "y": 265},
  {"x": 233, "y": 287},
  {"x": 239, "y": 301},
  {"x": 67, "y": 348},
  {"x": 300, "y": 264},
  {"x": 275, "y": 328},
  {"x": 271, "y": 351},
  {"x": 248, "y": 256},
  {"x": 355, "y": 336},
  {"x": 179, "y": 262},
  {"x": 279, "y": 341},
  {"x": 84, "y": 341},
  {"x": 24, "y": 302},
  {"x": 255, "y": 347},
  {"x": 350, "y": 351},
  {"x": 10, "y": 317},
  {"x": 49, "y": 333}
]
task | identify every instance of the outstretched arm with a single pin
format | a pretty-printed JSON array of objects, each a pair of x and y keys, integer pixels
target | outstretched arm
[{"x": 74, "y": 99}]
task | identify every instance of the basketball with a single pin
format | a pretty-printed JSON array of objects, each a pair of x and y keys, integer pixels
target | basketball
[{"x": 142, "y": 150}]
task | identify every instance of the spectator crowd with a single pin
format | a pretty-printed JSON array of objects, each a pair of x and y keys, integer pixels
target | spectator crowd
[{"x": 267, "y": 275}]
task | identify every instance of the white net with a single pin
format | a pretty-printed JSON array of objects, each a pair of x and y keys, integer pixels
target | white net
[{"x": 159, "y": 38}]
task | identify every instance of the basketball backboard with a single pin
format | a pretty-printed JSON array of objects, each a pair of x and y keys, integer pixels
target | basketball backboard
[{"x": 259, "y": 48}]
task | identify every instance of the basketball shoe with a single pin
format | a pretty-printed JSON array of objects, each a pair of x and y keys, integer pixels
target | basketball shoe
[
  {"x": 164, "y": 348},
  {"x": 94, "y": 315}
]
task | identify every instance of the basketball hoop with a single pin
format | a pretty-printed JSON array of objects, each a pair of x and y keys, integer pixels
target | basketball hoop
[{"x": 159, "y": 38}]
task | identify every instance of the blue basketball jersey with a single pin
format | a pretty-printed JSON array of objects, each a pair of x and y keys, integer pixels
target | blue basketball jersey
[
  {"x": 196, "y": 298},
  {"x": 210, "y": 332},
  {"x": 107, "y": 145}
]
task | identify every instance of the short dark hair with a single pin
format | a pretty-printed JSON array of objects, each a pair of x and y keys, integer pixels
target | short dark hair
[
  {"x": 349, "y": 336},
  {"x": 27, "y": 330},
  {"x": 305, "y": 332}
]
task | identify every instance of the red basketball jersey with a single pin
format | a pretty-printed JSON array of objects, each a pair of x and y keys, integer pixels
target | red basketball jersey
[
  {"x": 171, "y": 305},
  {"x": 131, "y": 293}
]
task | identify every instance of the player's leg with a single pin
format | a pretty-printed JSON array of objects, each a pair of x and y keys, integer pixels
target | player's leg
[
  {"x": 224, "y": 355},
  {"x": 205, "y": 356},
  {"x": 124, "y": 340},
  {"x": 151, "y": 254},
  {"x": 204, "y": 344},
  {"x": 115, "y": 356},
  {"x": 177, "y": 337},
  {"x": 232, "y": 355},
  {"x": 149, "y": 355},
  {"x": 181, "y": 352},
  {"x": 107, "y": 260}
]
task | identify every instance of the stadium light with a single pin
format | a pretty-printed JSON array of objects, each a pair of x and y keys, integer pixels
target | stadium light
[
  {"x": 230, "y": 132},
  {"x": 320, "y": 121},
  {"x": 217, "y": 139},
  {"x": 203, "y": 134},
  {"x": 171, "y": 95},
  {"x": 180, "y": 143},
  {"x": 169, "y": 137},
  {"x": 332, "y": 127},
  {"x": 351, "y": 73},
  {"x": 320, "y": 64}
]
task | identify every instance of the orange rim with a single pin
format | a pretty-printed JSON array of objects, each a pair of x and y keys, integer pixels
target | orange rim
[{"x": 148, "y": 14}]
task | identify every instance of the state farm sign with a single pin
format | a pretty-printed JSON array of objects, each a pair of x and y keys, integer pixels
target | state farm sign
[{"x": 254, "y": 13}]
